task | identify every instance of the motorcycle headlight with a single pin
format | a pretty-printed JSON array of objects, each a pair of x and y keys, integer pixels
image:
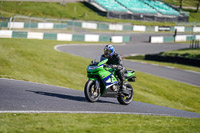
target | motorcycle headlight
[{"x": 92, "y": 67}]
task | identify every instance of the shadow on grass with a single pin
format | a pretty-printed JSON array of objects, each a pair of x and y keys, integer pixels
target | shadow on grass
[{"x": 64, "y": 96}]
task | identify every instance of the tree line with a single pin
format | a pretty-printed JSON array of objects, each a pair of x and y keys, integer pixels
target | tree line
[{"x": 197, "y": 5}]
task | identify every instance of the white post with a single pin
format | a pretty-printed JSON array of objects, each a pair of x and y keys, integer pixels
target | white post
[{"x": 10, "y": 23}]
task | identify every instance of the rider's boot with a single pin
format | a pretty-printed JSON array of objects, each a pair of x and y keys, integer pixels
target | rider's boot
[{"x": 122, "y": 87}]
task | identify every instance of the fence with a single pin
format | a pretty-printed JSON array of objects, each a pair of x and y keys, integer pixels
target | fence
[
  {"x": 18, "y": 22},
  {"x": 172, "y": 39},
  {"x": 144, "y": 17},
  {"x": 195, "y": 43},
  {"x": 64, "y": 36}
]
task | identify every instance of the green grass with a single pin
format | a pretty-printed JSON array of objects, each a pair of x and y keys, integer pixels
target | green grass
[
  {"x": 98, "y": 123},
  {"x": 194, "y": 17},
  {"x": 187, "y": 53},
  {"x": 69, "y": 11},
  {"x": 164, "y": 92},
  {"x": 37, "y": 61}
]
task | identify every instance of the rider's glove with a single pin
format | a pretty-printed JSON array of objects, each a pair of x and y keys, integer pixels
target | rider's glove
[
  {"x": 111, "y": 66},
  {"x": 114, "y": 66},
  {"x": 108, "y": 66}
]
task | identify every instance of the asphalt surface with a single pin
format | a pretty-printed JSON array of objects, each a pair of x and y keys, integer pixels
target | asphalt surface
[
  {"x": 33, "y": 97},
  {"x": 138, "y": 45}
]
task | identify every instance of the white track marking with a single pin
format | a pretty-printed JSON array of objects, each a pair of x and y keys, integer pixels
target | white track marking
[
  {"x": 60, "y": 45},
  {"x": 192, "y": 71},
  {"x": 171, "y": 67},
  {"x": 83, "y": 112},
  {"x": 154, "y": 64}
]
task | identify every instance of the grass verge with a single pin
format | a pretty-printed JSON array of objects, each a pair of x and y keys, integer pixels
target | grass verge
[
  {"x": 69, "y": 11},
  {"x": 37, "y": 61},
  {"x": 187, "y": 53},
  {"x": 141, "y": 58},
  {"x": 98, "y": 123}
]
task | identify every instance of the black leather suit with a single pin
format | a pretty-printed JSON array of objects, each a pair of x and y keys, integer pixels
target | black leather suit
[{"x": 115, "y": 61}]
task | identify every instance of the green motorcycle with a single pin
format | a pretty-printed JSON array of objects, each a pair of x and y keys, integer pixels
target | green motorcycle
[{"x": 103, "y": 82}]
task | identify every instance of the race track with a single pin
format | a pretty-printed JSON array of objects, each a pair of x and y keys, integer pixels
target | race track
[
  {"x": 27, "y": 97},
  {"x": 21, "y": 96},
  {"x": 138, "y": 45}
]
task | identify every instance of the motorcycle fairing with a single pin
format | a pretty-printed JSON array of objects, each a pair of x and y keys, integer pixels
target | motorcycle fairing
[{"x": 109, "y": 80}]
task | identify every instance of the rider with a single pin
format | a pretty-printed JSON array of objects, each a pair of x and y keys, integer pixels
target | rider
[{"x": 114, "y": 61}]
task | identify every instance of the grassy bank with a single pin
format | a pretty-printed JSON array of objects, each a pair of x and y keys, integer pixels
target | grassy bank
[
  {"x": 37, "y": 61},
  {"x": 194, "y": 17},
  {"x": 98, "y": 123},
  {"x": 141, "y": 58},
  {"x": 69, "y": 11},
  {"x": 187, "y": 53}
]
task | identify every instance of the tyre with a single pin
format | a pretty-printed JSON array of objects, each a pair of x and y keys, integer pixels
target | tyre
[
  {"x": 126, "y": 99},
  {"x": 91, "y": 94}
]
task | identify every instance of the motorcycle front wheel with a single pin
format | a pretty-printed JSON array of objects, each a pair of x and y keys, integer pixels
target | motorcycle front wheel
[
  {"x": 126, "y": 99},
  {"x": 91, "y": 94}
]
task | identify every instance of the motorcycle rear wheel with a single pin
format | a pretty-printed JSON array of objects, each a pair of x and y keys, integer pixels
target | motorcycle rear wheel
[
  {"x": 90, "y": 94},
  {"x": 126, "y": 99}
]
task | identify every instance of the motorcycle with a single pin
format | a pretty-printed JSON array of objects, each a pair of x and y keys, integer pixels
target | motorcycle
[{"x": 103, "y": 82}]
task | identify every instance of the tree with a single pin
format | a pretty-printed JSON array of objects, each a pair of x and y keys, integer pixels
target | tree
[
  {"x": 198, "y": 4},
  {"x": 181, "y": 4}
]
